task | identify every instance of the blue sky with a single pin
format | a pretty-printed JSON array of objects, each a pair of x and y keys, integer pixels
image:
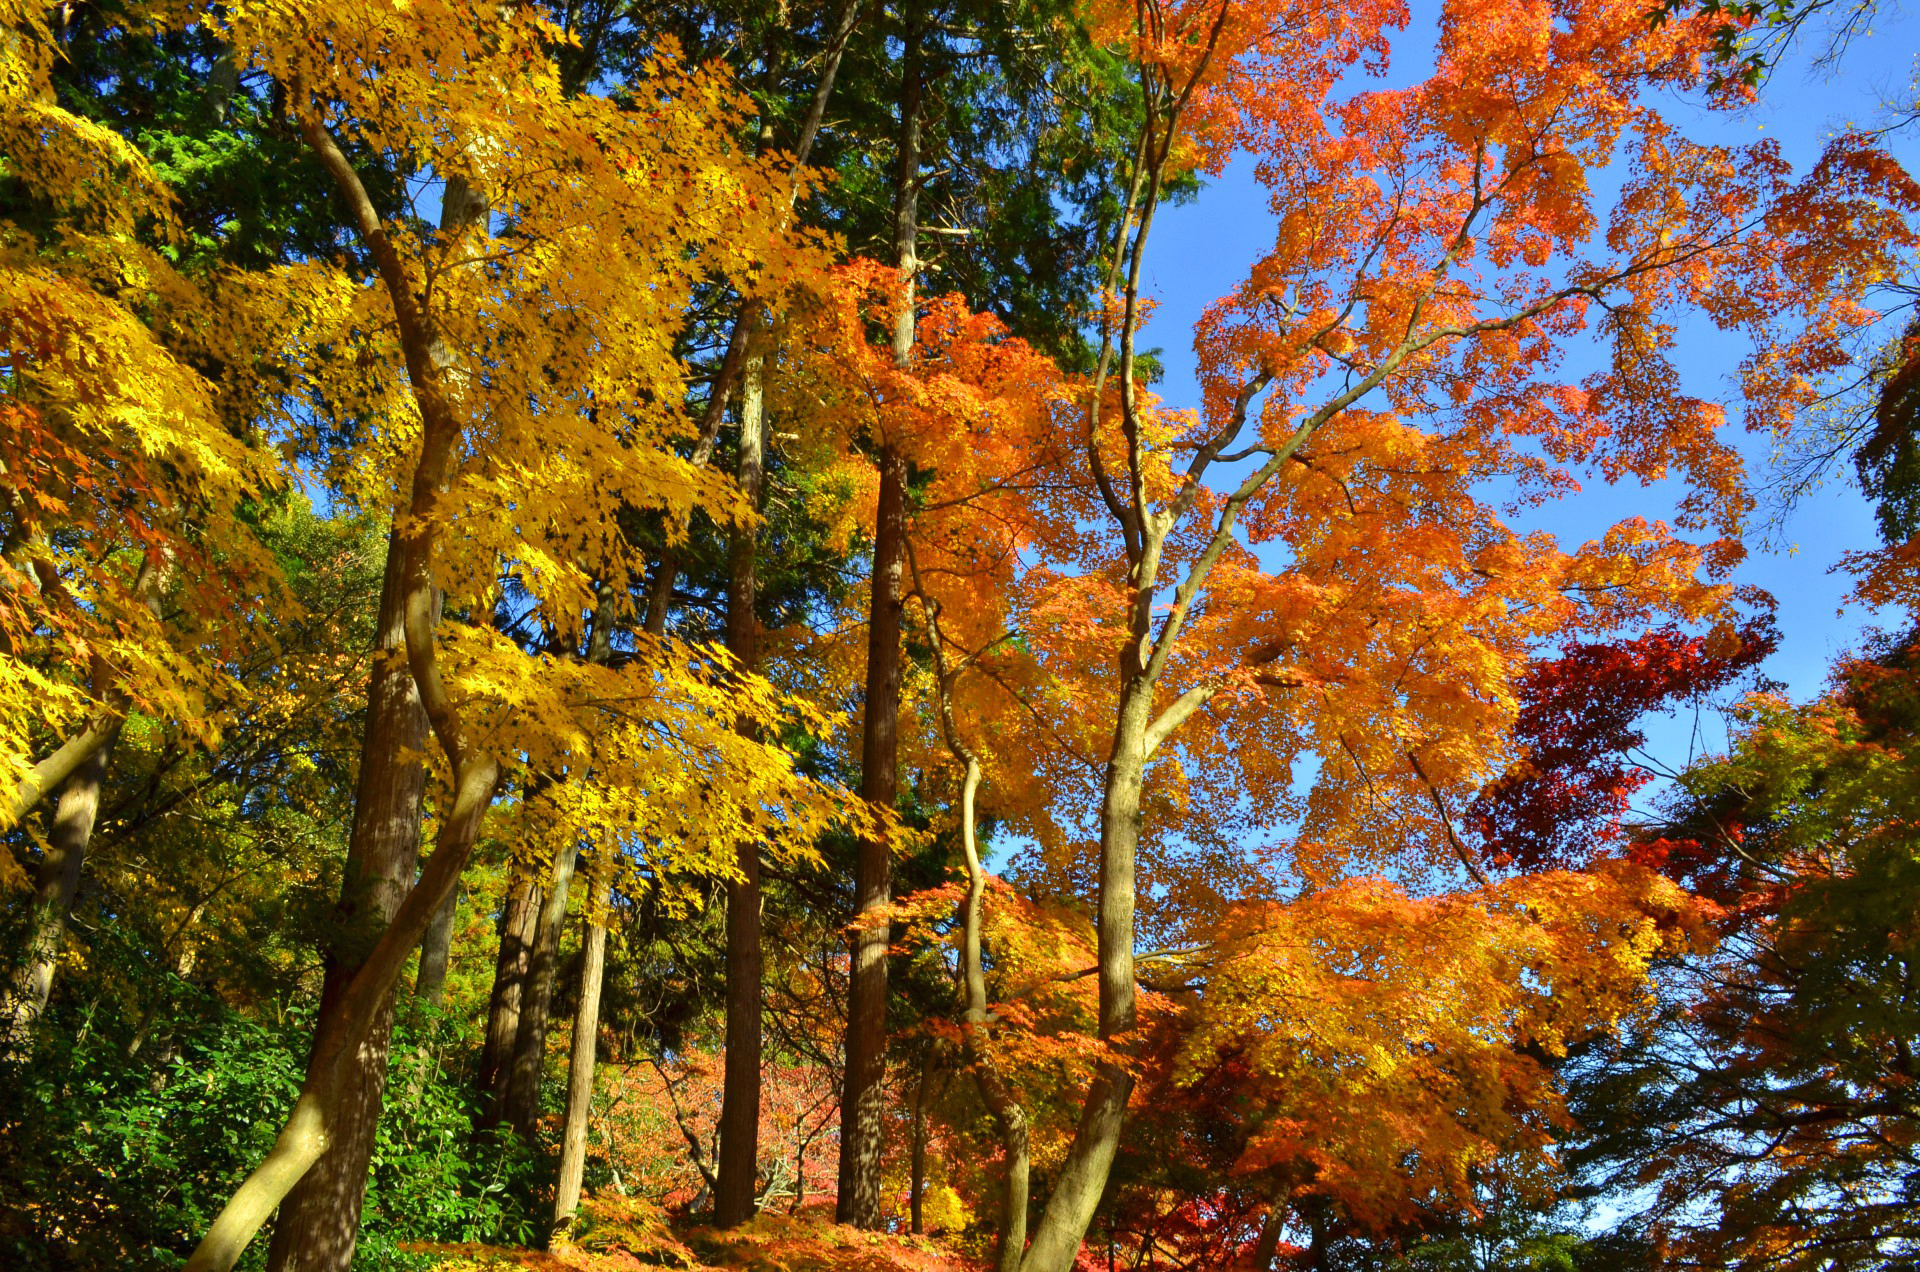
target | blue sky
[{"x": 1201, "y": 250}]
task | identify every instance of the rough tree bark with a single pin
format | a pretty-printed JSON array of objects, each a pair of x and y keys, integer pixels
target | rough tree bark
[
  {"x": 526, "y": 1073},
  {"x": 518, "y": 925},
  {"x": 319, "y": 1222},
  {"x": 736, "y": 1197},
  {"x": 863, "y": 1097}
]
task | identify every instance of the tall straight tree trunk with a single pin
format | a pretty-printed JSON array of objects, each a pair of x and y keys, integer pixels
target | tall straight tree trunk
[
  {"x": 733, "y": 363},
  {"x": 593, "y": 963},
  {"x": 863, "y": 1098},
  {"x": 527, "y": 1071},
  {"x": 917, "y": 1160},
  {"x": 519, "y": 921},
  {"x": 581, "y": 1057},
  {"x": 735, "y": 1199},
  {"x": 55, "y": 887},
  {"x": 319, "y": 1223}
]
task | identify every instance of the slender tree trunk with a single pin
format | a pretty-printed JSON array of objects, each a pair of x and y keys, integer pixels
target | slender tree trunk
[
  {"x": 519, "y": 922},
  {"x": 917, "y": 1161},
  {"x": 79, "y": 771},
  {"x": 54, "y": 889},
  {"x": 1083, "y": 1177},
  {"x": 735, "y": 1198},
  {"x": 1008, "y": 1115},
  {"x": 580, "y": 1059},
  {"x": 319, "y": 1223},
  {"x": 527, "y": 1075},
  {"x": 863, "y": 1098},
  {"x": 436, "y": 953}
]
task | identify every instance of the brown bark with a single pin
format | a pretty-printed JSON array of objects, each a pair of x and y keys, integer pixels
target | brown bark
[
  {"x": 528, "y": 1070},
  {"x": 580, "y": 1059},
  {"x": 519, "y": 920},
  {"x": 863, "y": 1097},
  {"x": 1268, "y": 1244},
  {"x": 917, "y": 1152},
  {"x": 319, "y": 1222},
  {"x": 735, "y": 1197}
]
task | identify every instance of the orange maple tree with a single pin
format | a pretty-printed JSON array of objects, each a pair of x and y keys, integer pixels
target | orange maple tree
[{"x": 1317, "y": 571}]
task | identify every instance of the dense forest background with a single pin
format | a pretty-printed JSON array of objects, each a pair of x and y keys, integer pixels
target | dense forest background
[{"x": 613, "y": 654}]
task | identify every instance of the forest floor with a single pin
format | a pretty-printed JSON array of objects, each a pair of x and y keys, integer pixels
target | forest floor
[{"x": 618, "y": 1234}]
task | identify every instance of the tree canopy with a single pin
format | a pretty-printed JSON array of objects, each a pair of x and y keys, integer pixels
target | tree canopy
[{"x": 612, "y": 653}]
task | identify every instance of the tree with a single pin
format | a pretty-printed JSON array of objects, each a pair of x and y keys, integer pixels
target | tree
[
  {"x": 128, "y": 466},
  {"x": 1790, "y": 1145},
  {"x": 592, "y": 407},
  {"x": 1346, "y": 593}
]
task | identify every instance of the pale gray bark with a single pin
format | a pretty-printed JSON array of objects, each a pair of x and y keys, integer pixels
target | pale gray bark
[
  {"x": 527, "y": 1074},
  {"x": 55, "y": 886},
  {"x": 581, "y": 1058},
  {"x": 436, "y": 953}
]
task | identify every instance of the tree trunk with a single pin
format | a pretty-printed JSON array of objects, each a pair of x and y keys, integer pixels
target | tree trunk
[
  {"x": 436, "y": 953},
  {"x": 319, "y": 1223},
  {"x": 863, "y": 1097},
  {"x": 519, "y": 918},
  {"x": 917, "y": 1161},
  {"x": 1269, "y": 1243},
  {"x": 1083, "y": 1177},
  {"x": 580, "y": 1059},
  {"x": 79, "y": 771},
  {"x": 528, "y": 1070},
  {"x": 733, "y": 363},
  {"x": 54, "y": 890},
  {"x": 735, "y": 1198},
  {"x": 1008, "y": 1115},
  {"x": 310, "y": 1129}
]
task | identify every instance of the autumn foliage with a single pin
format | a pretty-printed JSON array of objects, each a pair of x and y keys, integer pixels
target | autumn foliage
[{"x": 474, "y": 480}]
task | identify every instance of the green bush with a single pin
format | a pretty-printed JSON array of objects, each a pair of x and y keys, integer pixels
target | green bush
[{"x": 119, "y": 1160}]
